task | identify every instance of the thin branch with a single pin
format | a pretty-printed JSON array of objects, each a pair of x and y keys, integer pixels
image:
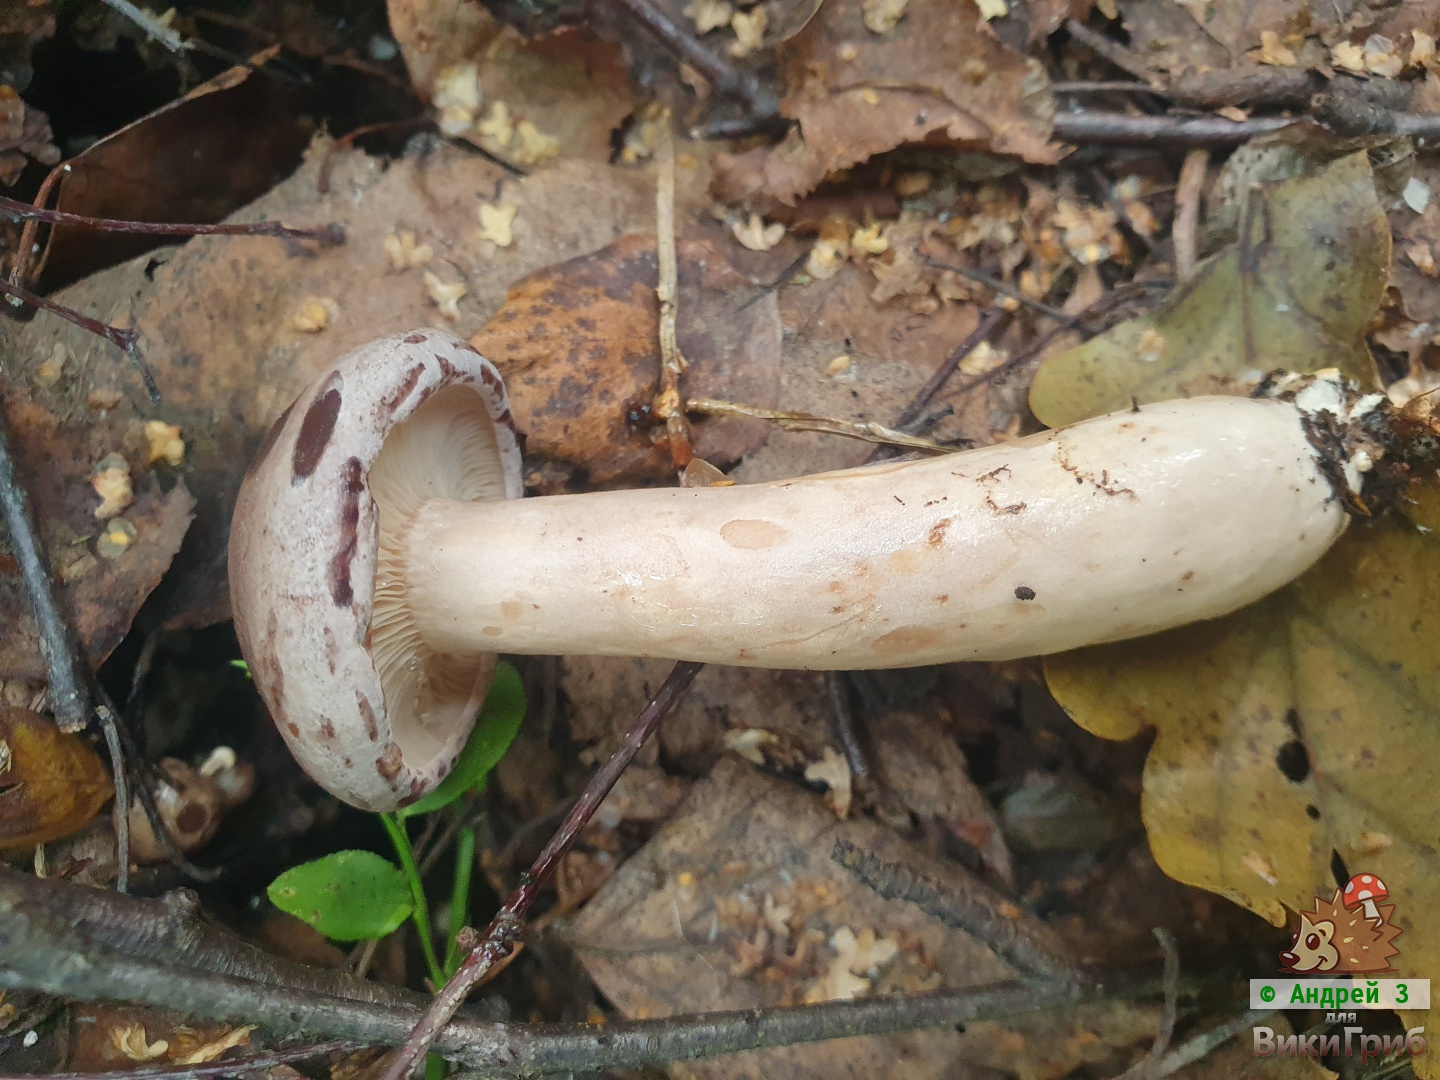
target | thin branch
[
  {"x": 995, "y": 285},
  {"x": 183, "y": 962},
  {"x": 1123, "y": 129},
  {"x": 991, "y": 324},
  {"x": 1109, "y": 48},
  {"x": 1187, "y": 213},
  {"x": 866, "y": 431},
  {"x": 1202, "y": 1044},
  {"x": 122, "y": 338},
  {"x": 329, "y": 235},
  {"x": 966, "y": 905},
  {"x": 230, "y": 1067},
  {"x": 761, "y": 102},
  {"x": 504, "y": 928},
  {"x": 672, "y": 362},
  {"x": 69, "y": 699}
]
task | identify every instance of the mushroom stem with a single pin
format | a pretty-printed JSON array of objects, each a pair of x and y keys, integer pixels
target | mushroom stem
[{"x": 1117, "y": 527}]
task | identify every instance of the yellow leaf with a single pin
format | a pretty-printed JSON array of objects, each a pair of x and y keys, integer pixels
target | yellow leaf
[{"x": 1297, "y": 740}]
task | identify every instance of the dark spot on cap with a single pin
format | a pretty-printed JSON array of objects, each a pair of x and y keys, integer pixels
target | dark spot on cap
[
  {"x": 327, "y": 729},
  {"x": 1293, "y": 761},
  {"x": 372, "y": 728},
  {"x": 1024, "y": 592},
  {"x": 388, "y": 763},
  {"x": 294, "y": 731},
  {"x": 191, "y": 819},
  {"x": 396, "y": 397},
  {"x": 352, "y": 485},
  {"x": 268, "y": 443},
  {"x": 447, "y": 369},
  {"x": 316, "y": 429},
  {"x": 414, "y": 339},
  {"x": 332, "y": 651}
]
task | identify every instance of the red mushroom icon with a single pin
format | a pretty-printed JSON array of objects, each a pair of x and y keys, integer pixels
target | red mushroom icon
[{"x": 1365, "y": 889}]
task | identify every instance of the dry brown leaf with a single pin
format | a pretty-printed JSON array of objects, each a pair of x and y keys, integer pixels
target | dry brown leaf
[
  {"x": 736, "y": 903},
  {"x": 600, "y": 312},
  {"x": 940, "y": 76},
  {"x": 51, "y": 783}
]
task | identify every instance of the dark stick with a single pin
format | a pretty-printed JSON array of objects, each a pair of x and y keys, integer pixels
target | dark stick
[
  {"x": 69, "y": 700},
  {"x": 966, "y": 905},
  {"x": 1122, "y": 129},
  {"x": 234, "y": 1066},
  {"x": 723, "y": 76},
  {"x": 91, "y": 944},
  {"x": 504, "y": 928},
  {"x": 125, "y": 339},
  {"x": 988, "y": 325},
  {"x": 995, "y": 285},
  {"x": 19, "y": 211}
]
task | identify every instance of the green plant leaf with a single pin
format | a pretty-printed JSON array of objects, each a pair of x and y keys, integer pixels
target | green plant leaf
[
  {"x": 241, "y": 665},
  {"x": 348, "y": 896},
  {"x": 495, "y": 730}
]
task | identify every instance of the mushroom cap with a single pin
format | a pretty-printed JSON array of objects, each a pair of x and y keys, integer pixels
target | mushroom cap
[
  {"x": 1364, "y": 887},
  {"x": 367, "y": 709}
]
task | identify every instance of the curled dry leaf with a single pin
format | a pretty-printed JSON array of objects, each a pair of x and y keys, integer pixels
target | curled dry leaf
[
  {"x": 940, "y": 76},
  {"x": 51, "y": 783}
]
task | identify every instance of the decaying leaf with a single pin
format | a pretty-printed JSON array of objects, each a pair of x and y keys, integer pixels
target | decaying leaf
[
  {"x": 1296, "y": 741},
  {"x": 568, "y": 87},
  {"x": 600, "y": 312},
  {"x": 99, "y": 587},
  {"x": 51, "y": 783},
  {"x": 939, "y": 77},
  {"x": 1299, "y": 296},
  {"x": 736, "y": 903}
]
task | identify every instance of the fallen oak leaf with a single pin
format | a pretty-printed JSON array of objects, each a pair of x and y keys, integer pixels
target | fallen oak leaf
[{"x": 1295, "y": 740}]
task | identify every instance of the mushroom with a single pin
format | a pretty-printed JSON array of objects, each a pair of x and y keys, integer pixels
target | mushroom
[
  {"x": 1366, "y": 889},
  {"x": 380, "y": 554}
]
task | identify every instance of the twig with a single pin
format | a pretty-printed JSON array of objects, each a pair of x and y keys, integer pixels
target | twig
[
  {"x": 966, "y": 905},
  {"x": 796, "y": 421},
  {"x": 672, "y": 362},
  {"x": 231, "y": 1067},
  {"x": 69, "y": 700},
  {"x": 1202, "y": 1044},
  {"x": 1187, "y": 212},
  {"x": 1122, "y": 129},
  {"x": 1148, "y": 1067},
  {"x": 724, "y": 77},
  {"x": 152, "y": 26},
  {"x": 995, "y": 285},
  {"x": 1172, "y": 992},
  {"x": 504, "y": 928},
  {"x": 1109, "y": 48},
  {"x": 120, "y": 810},
  {"x": 1115, "y": 86},
  {"x": 992, "y": 323},
  {"x": 122, "y": 338},
  {"x": 329, "y": 235}
]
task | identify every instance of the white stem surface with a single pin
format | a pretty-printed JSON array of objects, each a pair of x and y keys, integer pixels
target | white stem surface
[{"x": 1120, "y": 526}]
